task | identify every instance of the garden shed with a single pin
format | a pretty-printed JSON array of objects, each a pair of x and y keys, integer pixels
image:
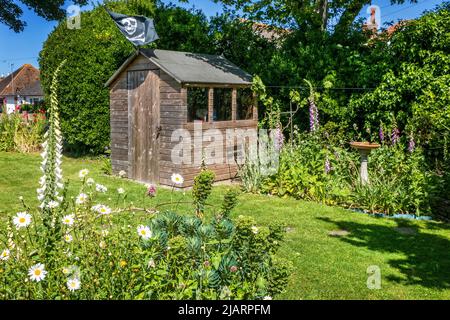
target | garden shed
[{"x": 164, "y": 104}]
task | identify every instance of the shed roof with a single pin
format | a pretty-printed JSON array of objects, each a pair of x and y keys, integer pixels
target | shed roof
[{"x": 192, "y": 68}]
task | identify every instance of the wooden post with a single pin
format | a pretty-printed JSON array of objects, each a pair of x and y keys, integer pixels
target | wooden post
[
  {"x": 210, "y": 104},
  {"x": 255, "y": 106},
  {"x": 234, "y": 105}
]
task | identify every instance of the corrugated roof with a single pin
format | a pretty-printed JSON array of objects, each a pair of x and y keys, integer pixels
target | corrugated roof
[{"x": 193, "y": 68}]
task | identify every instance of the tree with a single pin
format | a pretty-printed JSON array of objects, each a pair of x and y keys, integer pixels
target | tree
[{"x": 10, "y": 12}]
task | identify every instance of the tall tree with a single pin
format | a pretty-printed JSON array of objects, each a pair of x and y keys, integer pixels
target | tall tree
[{"x": 11, "y": 12}]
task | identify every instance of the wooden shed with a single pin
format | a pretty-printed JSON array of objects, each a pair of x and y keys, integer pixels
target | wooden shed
[{"x": 155, "y": 93}]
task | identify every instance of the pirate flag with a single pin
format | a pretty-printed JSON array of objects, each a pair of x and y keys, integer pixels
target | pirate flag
[{"x": 138, "y": 30}]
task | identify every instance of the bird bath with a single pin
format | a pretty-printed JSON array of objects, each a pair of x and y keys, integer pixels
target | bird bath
[{"x": 364, "y": 149}]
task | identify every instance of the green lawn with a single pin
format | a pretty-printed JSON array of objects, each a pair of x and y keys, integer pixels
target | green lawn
[{"x": 414, "y": 265}]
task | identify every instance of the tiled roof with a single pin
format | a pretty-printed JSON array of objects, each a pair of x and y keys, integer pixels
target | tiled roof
[{"x": 26, "y": 82}]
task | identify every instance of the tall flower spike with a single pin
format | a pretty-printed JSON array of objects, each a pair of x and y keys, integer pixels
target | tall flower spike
[
  {"x": 313, "y": 111},
  {"x": 52, "y": 177},
  {"x": 381, "y": 133}
]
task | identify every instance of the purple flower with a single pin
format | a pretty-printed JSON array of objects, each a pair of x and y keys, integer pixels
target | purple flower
[
  {"x": 411, "y": 144},
  {"x": 395, "y": 136},
  {"x": 279, "y": 138},
  {"x": 151, "y": 191},
  {"x": 327, "y": 166},
  {"x": 381, "y": 134},
  {"x": 313, "y": 115}
]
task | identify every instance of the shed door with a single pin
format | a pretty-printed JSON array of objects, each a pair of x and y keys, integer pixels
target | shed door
[{"x": 143, "y": 124}]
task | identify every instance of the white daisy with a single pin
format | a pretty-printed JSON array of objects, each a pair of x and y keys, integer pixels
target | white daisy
[
  {"x": 100, "y": 188},
  {"x": 68, "y": 220},
  {"x": 73, "y": 284},
  {"x": 5, "y": 255},
  {"x": 22, "y": 219},
  {"x": 121, "y": 191},
  {"x": 102, "y": 209},
  {"x": 68, "y": 238},
  {"x": 52, "y": 204},
  {"x": 66, "y": 270},
  {"x": 83, "y": 173},
  {"x": 177, "y": 179},
  {"x": 37, "y": 272},
  {"x": 144, "y": 232},
  {"x": 81, "y": 198},
  {"x": 255, "y": 230},
  {"x": 90, "y": 182}
]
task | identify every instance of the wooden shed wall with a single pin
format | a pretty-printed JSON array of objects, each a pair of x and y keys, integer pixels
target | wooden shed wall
[
  {"x": 172, "y": 112},
  {"x": 225, "y": 170}
]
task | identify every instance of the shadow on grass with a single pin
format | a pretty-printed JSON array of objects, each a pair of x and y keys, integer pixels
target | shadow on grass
[{"x": 427, "y": 261}]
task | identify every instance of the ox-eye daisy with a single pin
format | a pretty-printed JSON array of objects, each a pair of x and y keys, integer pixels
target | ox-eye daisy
[
  {"x": 68, "y": 220},
  {"x": 81, "y": 198},
  {"x": 5, "y": 255},
  {"x": 37, "y": 272},
  {"x": 83, "y": 173},
  {"x": 177, "y": 179},
  {"x": 22, "y": 219},
  {"x": 73, "y": 284},
  {"x": 90, "y": 181},
  {"x": 102, "y": 209},
  {"x": 144, "y": 232},
  {"x": 68, "y": 238}
]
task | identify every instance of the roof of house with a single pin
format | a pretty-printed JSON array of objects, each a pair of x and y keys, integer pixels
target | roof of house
[
  {"x": 192, "y": 68},
  {"x": 26, "y": 82},
  {"x": 269, "y": 32}
]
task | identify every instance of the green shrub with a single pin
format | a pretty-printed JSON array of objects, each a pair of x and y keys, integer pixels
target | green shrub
[
  {"x": 302, "y": 173},
  {"x": 201, "y": 189}
]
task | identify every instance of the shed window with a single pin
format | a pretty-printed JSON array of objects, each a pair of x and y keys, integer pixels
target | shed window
[
  {"x": 197, "y": 104},
  {"x": 222, "y": 104},
  {"x": 244, "y": 104}
]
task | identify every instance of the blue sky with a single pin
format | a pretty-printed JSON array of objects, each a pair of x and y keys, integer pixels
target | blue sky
[{"x": 24, "y": 47}]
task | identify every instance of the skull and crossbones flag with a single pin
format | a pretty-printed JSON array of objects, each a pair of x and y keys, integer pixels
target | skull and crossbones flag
[{"x": 139, "y": 30}]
